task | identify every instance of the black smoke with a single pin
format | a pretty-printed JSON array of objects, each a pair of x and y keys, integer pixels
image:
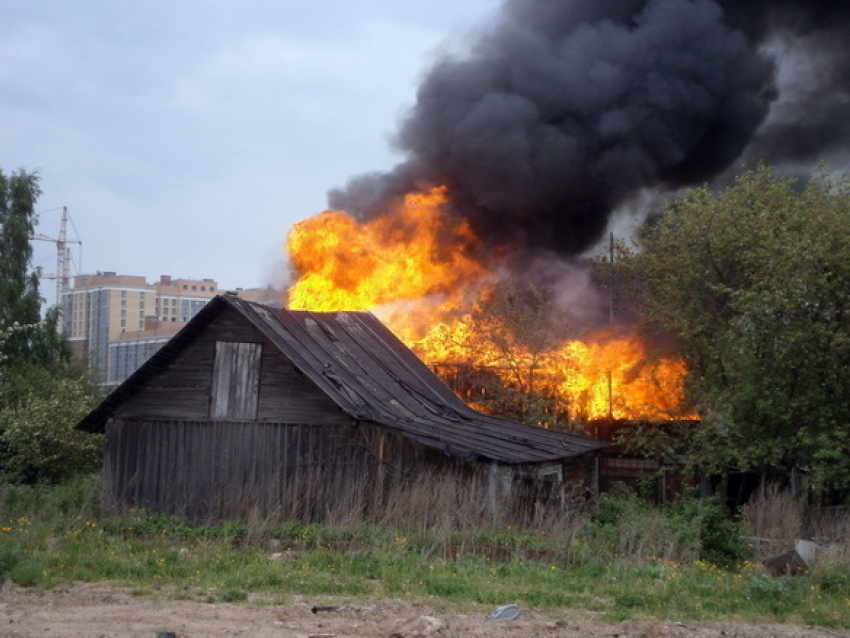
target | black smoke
[{"x": 564, "y": 110}]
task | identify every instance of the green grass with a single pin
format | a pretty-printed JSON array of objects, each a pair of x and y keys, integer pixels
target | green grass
[{"x": 48, "y": 543}]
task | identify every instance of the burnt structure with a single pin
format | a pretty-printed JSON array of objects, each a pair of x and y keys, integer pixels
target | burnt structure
[{"x": 257, "y": 411}]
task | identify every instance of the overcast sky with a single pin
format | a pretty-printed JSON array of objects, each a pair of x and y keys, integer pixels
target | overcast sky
[{"x": 186, "y": 137}]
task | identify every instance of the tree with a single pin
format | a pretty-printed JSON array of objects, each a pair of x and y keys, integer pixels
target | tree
[
  {"x": 42, "y": 391},
  {"x": 19, "y": 298},
  {"x": 26, "y": 338},
  {"x": 510, "y": 358},
  {"x": 754, "y": 281}
]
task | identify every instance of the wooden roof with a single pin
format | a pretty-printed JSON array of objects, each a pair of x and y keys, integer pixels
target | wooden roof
[{"x": 373, "y": 377}]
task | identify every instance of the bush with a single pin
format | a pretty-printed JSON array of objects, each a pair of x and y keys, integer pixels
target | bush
[
  {"x": 39, "y": 442},
  {"x": 720, "y": 535},
  {"x": 629, "y": 527}
]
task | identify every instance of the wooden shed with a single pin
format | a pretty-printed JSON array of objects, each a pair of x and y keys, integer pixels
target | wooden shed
[{"x": 257, "y": 411}]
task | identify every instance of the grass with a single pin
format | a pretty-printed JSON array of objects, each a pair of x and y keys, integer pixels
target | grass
[{"x": 53, "y": 536}]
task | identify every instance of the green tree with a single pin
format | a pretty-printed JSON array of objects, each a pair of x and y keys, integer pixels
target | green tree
[
  {"x": 19, "y": 298},
  {"x": 26, "y": 338},
  {"x": 754, "y": 281},
  {"x": 37, "y": 436},
  {"x": 42, "y": 391}
]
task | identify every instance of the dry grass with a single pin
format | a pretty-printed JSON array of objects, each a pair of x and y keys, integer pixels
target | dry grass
[
  {"x": 776, "y": 519},
  {"x": 448, "y": 500}
]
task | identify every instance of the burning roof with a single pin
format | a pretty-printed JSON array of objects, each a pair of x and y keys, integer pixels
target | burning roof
[
  {"x": 371, "y": 376},
  {"x": 518, "y": 152}
]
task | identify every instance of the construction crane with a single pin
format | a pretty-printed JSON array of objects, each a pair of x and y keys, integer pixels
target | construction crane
[{"x": 63, "y": 256}]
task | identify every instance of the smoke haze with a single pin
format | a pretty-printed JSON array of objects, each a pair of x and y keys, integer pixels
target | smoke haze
[{"x": 564, "y": 110}]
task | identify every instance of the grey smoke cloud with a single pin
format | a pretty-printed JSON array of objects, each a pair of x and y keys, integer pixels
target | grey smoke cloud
[{"x": 563, "y": 110}]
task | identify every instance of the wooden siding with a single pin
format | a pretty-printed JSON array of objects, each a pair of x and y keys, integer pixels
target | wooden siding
[
  {"x": 209, "y": 470},
  {"x": 287, "y": 396},
  {"x": 180, "y": 392},
  {"x": 183, "y": 391},
  {"x": 217, "y": 470}
]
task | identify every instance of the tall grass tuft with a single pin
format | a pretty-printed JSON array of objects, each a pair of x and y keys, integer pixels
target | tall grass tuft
[
  {"x": 627, "y": 527},
  {"x": 78, "y": 497},
  {"x": 773, "y": 519}
]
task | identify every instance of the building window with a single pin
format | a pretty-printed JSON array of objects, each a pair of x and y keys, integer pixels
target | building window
[
  {"x": 123, "y": 303},
  {"x": 123, "y": 294},
  {"x": 203, "y": 288},
  {"x": 194, "y": 287},
  {"x": 123, "y": 313},
  {"x": 123, "y": 323},
  {"x": 185, "y": 287}
]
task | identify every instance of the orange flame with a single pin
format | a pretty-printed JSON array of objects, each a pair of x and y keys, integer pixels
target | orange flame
[{"x": 422, "y": 273}]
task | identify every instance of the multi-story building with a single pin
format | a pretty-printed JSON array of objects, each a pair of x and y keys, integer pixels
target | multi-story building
[{"x": 118, "y": 321}]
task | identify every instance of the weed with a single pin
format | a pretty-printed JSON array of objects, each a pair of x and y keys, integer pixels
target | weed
[
  {"x": 834, "y": 581},
  {"x": 234, "y": 595},
  {"x": 30, "y": 572},
  {"x": 10, "y": 556}
]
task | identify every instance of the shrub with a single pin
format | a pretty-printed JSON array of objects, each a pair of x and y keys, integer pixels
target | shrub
[
  {"x": 719, "y": 534},
  {"x": 37, "y": 434},
  {"x": 629, "y": 527}
]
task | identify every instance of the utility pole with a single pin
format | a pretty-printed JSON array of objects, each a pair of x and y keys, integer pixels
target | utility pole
[{"x": 611, "y": 322}]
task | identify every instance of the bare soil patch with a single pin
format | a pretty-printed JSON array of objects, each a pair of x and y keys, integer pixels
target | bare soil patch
[{"x": 87, "y": 611}]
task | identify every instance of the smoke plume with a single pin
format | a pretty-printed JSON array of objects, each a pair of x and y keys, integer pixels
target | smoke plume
[{"x": 564, "y": 110}]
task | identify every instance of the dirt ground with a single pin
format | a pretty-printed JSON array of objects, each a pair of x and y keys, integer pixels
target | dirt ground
[{"x": 87, "y": 611}]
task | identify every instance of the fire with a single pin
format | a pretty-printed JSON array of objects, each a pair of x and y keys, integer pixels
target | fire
[
  {"x": 423, "y": 273},
  {"x": 411, "y": 266},
  {"x": 621, "y": 379}
]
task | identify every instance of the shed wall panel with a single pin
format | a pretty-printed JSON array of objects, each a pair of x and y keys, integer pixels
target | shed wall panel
[
  {"x": 287, "y": 396},
  {"x": 219, "y": 469},
  {"x": 184, "y": 391}
]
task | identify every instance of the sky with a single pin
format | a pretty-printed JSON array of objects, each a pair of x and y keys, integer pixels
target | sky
[{"x": 185, "y": 138}]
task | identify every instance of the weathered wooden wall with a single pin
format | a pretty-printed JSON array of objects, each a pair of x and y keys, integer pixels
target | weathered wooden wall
[
  {"x": 274, "y": 470},
  {"x": 183, "y": 392}
]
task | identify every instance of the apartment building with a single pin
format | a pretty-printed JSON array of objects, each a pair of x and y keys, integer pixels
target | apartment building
[{"x": 118, "y": 321}]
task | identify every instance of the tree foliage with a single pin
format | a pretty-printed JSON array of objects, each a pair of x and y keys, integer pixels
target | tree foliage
[
  {"x": 19, "y": 298},
  {"x": 26, "y": 338},
  {"x": 37, "y": 437},
  {"x": 43, "y": 393},
  {"x": 754, "y": 281}
]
